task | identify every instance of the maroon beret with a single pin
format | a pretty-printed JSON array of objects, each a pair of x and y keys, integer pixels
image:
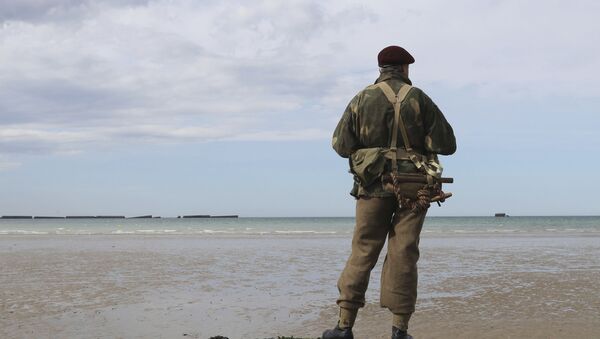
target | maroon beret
[{"x": 394, "y": 55}]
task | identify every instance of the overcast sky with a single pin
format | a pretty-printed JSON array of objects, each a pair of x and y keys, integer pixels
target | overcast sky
[{"x": 176, "y": 107}]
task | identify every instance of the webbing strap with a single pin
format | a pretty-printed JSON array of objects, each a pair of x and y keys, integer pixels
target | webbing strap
[
  {"x": 396, "y": 100},
  {"x": 401, "y": 154}
]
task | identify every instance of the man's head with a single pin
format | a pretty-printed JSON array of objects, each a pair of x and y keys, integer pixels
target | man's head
[{"x": 395, "y": 56}]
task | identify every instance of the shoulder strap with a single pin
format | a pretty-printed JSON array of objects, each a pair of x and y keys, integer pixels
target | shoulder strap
[{"x": 396, "y": 100}]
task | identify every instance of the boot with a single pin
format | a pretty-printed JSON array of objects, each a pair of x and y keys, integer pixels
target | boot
[
  {"x": 338, "y": 333},
  {"x": 400, "y": 334}
]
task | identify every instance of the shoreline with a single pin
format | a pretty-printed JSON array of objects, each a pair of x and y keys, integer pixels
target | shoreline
[
  {"x": 295, "y": 234},
  {"x": 140, "y": 286}
]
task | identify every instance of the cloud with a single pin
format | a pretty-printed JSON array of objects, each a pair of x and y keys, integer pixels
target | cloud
[
  {"x": 55, "y": 10},
  {"x": 82, "y": 74}
]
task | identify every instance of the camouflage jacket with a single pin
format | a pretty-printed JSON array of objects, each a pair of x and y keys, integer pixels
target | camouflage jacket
[{"x": 368, "y": 122}]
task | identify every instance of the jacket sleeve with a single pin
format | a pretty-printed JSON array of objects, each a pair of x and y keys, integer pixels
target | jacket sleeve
[
  {"x": 439, "y": 136},
  {"x": 345, "y": 141}
]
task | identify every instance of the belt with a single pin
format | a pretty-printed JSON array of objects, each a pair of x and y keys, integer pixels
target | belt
[{"x": 401, "y": 154}]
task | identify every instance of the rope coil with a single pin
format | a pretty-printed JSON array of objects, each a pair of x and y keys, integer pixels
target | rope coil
[{"x": 423, "y": 199}]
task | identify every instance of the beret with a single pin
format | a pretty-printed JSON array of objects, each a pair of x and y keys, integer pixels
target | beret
[{"x": 394, "y": 55}]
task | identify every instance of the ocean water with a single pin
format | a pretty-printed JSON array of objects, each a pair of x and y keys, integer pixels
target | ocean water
[{"x": 295, "y": 226}]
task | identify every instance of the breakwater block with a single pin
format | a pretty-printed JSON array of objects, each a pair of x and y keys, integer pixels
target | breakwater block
[{"x": 17, "y": 217}]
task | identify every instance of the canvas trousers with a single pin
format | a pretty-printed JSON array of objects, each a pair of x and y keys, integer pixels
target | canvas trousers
[{"x": 376, "y": 220}]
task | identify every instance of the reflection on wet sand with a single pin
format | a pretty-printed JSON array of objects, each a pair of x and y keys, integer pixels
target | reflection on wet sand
[{"x": 260, "y": 286}]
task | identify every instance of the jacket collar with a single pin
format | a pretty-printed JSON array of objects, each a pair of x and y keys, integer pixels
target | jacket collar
[{"x": 392, "y": 73}]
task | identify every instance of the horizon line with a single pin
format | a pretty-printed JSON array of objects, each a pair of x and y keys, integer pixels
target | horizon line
[{"x": 207, "y": 216}]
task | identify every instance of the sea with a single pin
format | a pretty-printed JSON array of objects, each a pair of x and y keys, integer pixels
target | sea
[{"x": 317, "y": 226}]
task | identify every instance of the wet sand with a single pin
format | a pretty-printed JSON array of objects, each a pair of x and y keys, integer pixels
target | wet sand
[{"x": 122, "y": 286}]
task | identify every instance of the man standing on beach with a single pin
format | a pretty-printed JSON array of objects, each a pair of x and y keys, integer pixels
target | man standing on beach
[{"x": 368, "y": 134}]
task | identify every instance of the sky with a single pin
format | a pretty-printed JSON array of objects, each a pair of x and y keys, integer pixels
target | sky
[{"x": 174, "y": 107}]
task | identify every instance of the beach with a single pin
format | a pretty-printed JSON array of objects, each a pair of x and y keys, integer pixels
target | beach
[{"x": 260, "y": 286}]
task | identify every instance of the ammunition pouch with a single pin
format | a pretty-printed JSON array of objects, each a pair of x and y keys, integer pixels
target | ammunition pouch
[{"x": 368, "y": 164}]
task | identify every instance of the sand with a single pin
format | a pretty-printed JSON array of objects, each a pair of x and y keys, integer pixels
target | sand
[{"x": 133, "y": 286}]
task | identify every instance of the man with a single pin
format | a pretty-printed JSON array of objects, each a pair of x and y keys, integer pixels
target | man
[{"x": 368, "y": 134}]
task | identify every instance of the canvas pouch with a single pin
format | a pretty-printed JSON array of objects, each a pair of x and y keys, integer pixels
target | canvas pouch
[{"x": 368, "y": 164}]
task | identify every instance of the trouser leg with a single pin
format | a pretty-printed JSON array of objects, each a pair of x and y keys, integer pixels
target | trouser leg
[
  {"x": 347, "y": 317},
  {"x": 399, "y": 276},
  {"x": 400, "y": 321},
  {"x": 373, "y": 222}
]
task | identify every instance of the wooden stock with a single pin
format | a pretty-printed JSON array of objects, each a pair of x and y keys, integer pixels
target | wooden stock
[{"x": 418, "y": 178}]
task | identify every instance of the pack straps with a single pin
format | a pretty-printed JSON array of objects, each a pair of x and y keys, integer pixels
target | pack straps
[{"x": 396, "y": 100}]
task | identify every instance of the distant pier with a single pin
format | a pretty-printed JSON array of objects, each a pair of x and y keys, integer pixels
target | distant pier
[{"x": 148, "y": 216}]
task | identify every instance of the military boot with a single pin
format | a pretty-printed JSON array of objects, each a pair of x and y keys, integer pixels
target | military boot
[
  {"x": 400, "y": 334},
  {"x": 338, "y": 333}
]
